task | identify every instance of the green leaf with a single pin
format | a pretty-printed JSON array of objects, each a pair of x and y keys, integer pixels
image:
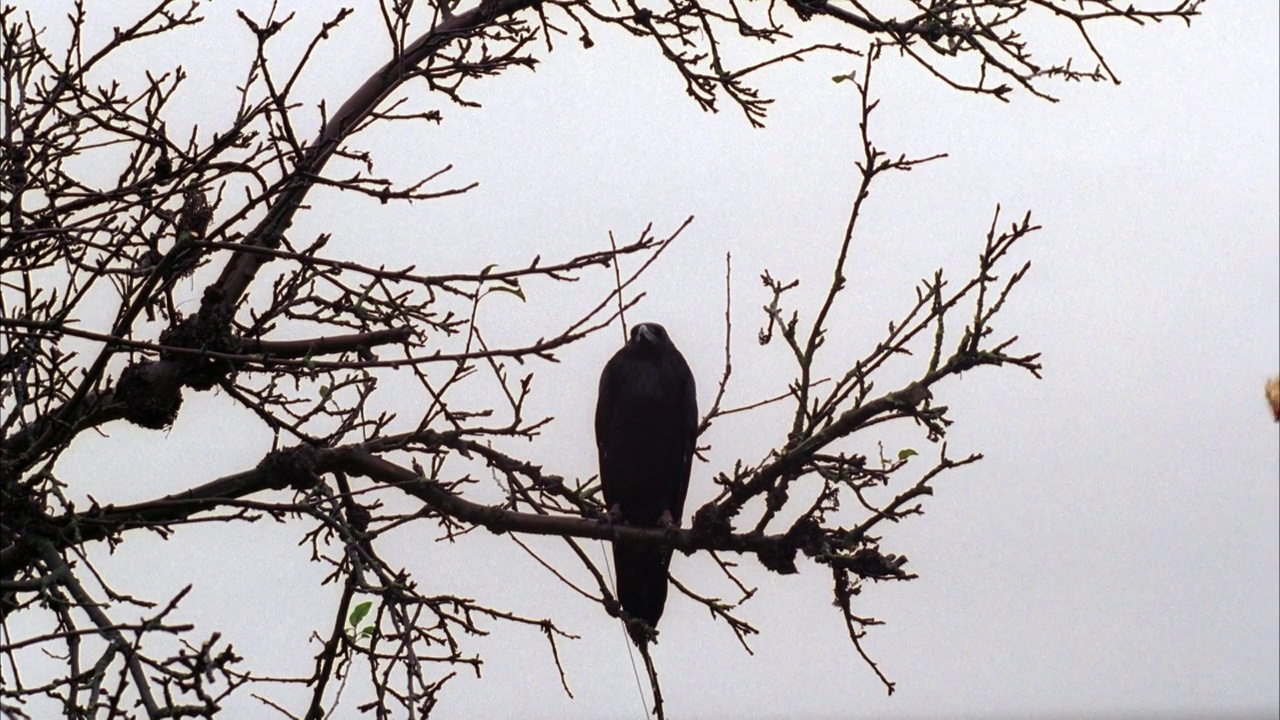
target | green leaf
[
  {"x": 513, "y": 290},
  {"x": 905, "y": 453},
  {"x": 368, "y": 631},
  {"x": 358, "y": 612}
]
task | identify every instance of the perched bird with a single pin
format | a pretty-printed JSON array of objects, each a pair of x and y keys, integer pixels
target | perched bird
[{"x": 646, "y": 425}]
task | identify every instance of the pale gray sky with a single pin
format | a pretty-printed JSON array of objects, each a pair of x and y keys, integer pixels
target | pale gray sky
[{"x": 1117, "y": 551}]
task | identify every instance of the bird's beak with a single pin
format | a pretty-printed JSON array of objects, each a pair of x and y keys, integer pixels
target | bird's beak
[{"x": 645, "y": 335}]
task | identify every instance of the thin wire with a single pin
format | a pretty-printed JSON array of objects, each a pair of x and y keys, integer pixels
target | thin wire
[
  {"x": 608, "y": 561},
  {"x": 631, "y": 655},
  {"x": 617, "y": 283}
]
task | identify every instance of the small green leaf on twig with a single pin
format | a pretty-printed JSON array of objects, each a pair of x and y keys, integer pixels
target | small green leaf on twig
[
  {"x": 359, "y": 612},
  {"x": 905, "y": 453},
  {"x": 506, "y": 289}
]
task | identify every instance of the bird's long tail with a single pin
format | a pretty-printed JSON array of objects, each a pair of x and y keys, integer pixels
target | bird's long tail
[{"x": 642, "y": 584}]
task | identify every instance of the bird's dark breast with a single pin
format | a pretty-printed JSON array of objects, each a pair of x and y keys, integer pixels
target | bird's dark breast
[{"x": 644, "y": 456}]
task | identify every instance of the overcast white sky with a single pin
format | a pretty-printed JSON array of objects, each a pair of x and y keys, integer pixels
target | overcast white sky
[{"x": 1117, "y": 551}]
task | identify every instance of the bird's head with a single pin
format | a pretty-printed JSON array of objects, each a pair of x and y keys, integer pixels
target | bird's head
[{"x": 648, "y": 336}]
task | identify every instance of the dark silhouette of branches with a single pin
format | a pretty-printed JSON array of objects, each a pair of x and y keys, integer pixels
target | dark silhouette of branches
[{"x": 112, "y": 226}]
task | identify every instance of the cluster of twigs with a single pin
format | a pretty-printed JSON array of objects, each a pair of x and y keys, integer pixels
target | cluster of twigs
[{"x": 98, "y": 264}]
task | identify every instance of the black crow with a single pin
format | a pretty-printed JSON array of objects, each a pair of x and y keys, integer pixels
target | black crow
[{"x": 646, "y": 425}]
